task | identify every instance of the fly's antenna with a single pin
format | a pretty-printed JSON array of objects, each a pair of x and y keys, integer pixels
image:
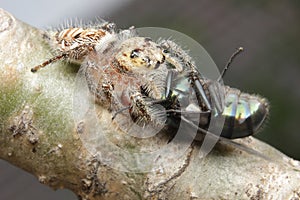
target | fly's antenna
[
  {"x": 44, "y": 64},
  {"x": 237, "y": 52}
]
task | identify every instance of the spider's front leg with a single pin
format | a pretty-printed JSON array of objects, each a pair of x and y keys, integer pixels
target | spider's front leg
[{"x": 146, "y": 111}]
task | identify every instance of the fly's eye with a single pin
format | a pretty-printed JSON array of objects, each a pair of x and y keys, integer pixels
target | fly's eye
[{"x": 134, "y": 53}]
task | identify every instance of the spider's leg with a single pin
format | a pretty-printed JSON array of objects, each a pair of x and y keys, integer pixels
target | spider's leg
[{"x": 47, "y": 62}]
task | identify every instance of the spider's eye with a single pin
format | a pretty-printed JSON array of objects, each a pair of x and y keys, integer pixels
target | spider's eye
[
  {"x": 134, "y": 53},
  {"x": 146, "y": 59},
  {"x": 157, "y": 65}
]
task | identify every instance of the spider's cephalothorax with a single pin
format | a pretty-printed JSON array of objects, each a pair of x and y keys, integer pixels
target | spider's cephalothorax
[{"x": 74, "y": 43}]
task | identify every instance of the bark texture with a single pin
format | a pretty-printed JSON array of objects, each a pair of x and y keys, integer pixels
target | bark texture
[{"x": 39, "y": 134}]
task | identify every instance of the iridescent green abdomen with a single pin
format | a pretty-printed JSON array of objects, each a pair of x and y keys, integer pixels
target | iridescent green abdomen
[{"x": 244, "y": 113}]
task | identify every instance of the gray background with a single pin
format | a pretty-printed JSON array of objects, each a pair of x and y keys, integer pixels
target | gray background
[{"x": 270, "y": 65}]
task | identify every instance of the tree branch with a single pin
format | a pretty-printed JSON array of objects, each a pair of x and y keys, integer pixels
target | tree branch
[{"x": 39, "y": 134}]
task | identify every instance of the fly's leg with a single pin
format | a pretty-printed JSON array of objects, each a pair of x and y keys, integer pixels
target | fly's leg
[
  {"x": 169, "y": 81},
  {"x": 119, "y": 112},
  {"x": 186, "y": 63},
  {"x": 200, "y": 90}
]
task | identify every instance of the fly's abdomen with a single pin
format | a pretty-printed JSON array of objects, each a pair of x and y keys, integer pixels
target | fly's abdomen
[{"x": 244, "y": 114}]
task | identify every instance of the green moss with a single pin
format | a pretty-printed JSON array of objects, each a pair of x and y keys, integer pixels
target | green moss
[{"x": 11, "y": 100}]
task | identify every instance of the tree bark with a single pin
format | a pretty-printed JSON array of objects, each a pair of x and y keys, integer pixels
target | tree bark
[{"x": 39, "y": 134}]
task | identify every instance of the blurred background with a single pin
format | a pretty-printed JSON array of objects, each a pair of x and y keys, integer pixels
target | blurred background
[{"x": 270, "y": 65}]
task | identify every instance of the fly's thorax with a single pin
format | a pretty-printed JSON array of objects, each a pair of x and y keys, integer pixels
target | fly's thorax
[
  {"x": 244, "y": 113},
  {"x": 181, "y": 100},
  {"x": 181, "y": 89}
]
